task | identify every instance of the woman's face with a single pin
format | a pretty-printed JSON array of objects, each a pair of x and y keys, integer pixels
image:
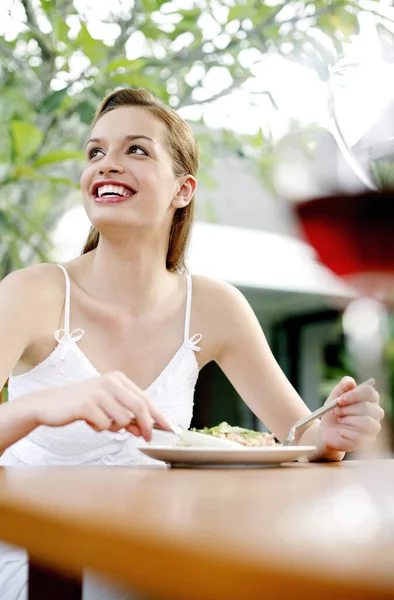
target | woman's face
[{"x": 128, "y": 179}]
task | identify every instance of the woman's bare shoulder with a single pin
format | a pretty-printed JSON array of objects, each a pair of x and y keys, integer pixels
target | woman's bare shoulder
[
  {"x": 208, "y": 292},
  {"x": 219, "y": 306},
  {"x": 232, "y": 325},
  {"x": 31, "y": 302},
  {"x": 37, "y": 284}
]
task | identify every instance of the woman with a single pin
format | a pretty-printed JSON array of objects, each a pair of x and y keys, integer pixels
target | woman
[{"x": 122, "y": 331}]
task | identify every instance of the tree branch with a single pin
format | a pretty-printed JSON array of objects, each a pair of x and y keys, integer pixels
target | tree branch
[
  {"x": 274, "y": 14},
  {"x": 127, "y": 27},
  {"x": 64, "y": 7},
  {"x": 8, "y": 51},
  {"x": 320, "y": 12},
  {"x": 183, "y": 57},
  {"x": 188, "y": 99},
  {"x": 36, "y": 32},
  {"x": 45, "y": 131}
]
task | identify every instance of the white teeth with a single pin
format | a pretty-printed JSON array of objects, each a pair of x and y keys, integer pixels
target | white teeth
[{"x": 113, "y": 189}]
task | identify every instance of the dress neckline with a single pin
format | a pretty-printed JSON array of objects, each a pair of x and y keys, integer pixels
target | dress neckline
[
  {"x": 68, "y": 339},
  {"x": 190, "y": 344}
]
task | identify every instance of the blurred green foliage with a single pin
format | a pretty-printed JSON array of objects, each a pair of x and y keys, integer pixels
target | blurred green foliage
[{"x": 55, "y": 71}]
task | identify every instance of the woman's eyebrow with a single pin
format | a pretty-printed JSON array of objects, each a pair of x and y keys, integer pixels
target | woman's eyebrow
[{"x": 126, "y": 138}]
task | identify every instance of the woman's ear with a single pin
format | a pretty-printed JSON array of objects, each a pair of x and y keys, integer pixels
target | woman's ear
[
  {"x": 181, "y": 201},
  {"x": 185, "y": 192}
]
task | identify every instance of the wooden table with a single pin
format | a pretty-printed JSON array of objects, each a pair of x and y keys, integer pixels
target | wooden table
[{"x": 178, "y": 534}]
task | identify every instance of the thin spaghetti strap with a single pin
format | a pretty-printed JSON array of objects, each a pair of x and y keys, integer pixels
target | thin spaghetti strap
[
  {"x": 67, "y": 302},
  {"x": 188, "y": 305},
  {"x": 63, "y": 336}
]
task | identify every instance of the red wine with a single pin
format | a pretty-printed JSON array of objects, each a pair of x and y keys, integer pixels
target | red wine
[{"x": 354, "y": 236}]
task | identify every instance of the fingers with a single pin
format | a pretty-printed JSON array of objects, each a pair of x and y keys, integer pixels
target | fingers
[
  {"x": 356, "y": 418},
  {"x": 132, "y": 399},
  {"x": 158, "y": 416},
  {"x": 96, "y": 417},
  {"x": 115, "y": 402},
  {"x": 364, "y": 393},
  {"x": 346, "y": 384},
  {"x": 136, "y": 401},
  {"x": 134, "y": 429},
  {"x": 142, "y": 416},
  {"x": 363, "y": 425},
  {"x": 155, "y": 413},
  {"x": 354, "y": 440},
  {"x": 370, "y": 409},
  {"x": 361, "y": 419},
  {"x": 119, "y": 416}
]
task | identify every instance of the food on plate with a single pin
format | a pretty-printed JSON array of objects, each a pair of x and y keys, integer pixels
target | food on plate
[{"x": 245, "y": 437}]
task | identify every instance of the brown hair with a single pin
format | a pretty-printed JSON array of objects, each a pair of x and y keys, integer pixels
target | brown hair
[{"x": 183, "y": 150}]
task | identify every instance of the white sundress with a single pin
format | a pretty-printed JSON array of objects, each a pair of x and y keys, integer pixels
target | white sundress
[{"x": 78, "y": 444}]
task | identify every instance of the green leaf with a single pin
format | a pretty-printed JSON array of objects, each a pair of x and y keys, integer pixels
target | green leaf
[
  {"x": 95, "y": 50},
  {"x": 53, "y": 101},
  {"x": 26, "y": 139},
  {"x": 62, "y": 181},
  {"x": 86, "y": 111},
  {"x": 148, "y": 6},
  {"x": 26, "y": 172},
  {"x": 31, "y": 225},
  {"x": 129, "y": 65},
  {"x": 137, "y": 80},
  {"x": 43, "y": 206},
  {"x": 263, "y": 12},
  {"x": 240, "y": 12},
  {"x": 60, "y": 29},
  {"x": 257, "y": 140},
  {"x": 151, "y": 31},
  {"x": 58, "y": 156},
  {"x": 48, "y": 6},
  {"x": 14, "y": 252},
  {"x": 190, "y": 14}
]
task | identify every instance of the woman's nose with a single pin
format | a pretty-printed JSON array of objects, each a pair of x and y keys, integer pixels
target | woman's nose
[{"x": 110, "y": 165}]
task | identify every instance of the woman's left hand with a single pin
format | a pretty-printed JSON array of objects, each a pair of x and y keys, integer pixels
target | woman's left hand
[{"x": 355, "y": 422}]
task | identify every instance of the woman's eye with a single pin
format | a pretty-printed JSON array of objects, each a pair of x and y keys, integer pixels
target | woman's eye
[
  {"x": 135, "y": 149},
  {"x": 93, "y": 153}
]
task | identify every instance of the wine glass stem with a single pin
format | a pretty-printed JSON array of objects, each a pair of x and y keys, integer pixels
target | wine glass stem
[{"x": 365, "y": 323}]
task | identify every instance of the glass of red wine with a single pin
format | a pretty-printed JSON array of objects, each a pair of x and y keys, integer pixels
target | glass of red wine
[
  {"x": 349, "y": 221},
  {"x": 352, "y": 227}
]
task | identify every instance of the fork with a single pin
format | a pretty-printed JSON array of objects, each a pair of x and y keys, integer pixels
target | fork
[{"x": 317, "y": 413}]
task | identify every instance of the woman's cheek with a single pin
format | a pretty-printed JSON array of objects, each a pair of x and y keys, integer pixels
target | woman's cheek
[
  {"x": 86, "y": 182},
  {"x": 85, "y": 179}
]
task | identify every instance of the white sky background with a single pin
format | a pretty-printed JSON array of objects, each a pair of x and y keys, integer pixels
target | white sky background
[{"x": 298, "y": 92}]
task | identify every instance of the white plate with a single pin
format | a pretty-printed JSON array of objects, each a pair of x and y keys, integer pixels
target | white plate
[{"x": 193, "y": 456}]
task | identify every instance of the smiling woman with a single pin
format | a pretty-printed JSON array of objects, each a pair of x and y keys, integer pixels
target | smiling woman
[
  {"x": 112, "y": 341},
  {"x": 180, "y": 143}
]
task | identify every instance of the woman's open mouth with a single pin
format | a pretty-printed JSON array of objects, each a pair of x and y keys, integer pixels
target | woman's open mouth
[{"x": 111, "y": 192}]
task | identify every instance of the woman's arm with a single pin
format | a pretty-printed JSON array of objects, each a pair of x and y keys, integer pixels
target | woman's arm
[
  {"x": 242, "y": 352},
  {"x": 25, "y": 298}
]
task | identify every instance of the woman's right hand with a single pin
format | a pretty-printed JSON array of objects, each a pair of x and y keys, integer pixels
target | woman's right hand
[{"x": 109, "y": 402}]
